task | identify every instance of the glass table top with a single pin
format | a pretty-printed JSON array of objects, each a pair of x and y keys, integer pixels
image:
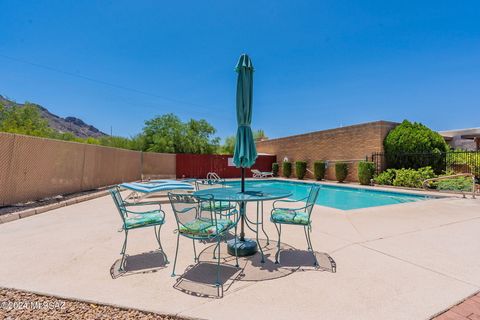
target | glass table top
[{"x": 250, "y": 194}]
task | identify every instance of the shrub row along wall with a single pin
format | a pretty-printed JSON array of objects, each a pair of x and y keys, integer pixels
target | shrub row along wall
[
  {"x": 350, "y": 144},
  {"x": 33, "y": 168}
]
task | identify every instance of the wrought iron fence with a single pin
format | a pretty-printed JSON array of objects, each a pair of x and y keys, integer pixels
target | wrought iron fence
[{"x": 441, "y": 162}]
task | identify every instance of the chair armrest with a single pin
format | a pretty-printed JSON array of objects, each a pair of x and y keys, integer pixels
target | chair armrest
[
  {"x": 286, "y": 201},
  {"x": 145, "y": 203}
]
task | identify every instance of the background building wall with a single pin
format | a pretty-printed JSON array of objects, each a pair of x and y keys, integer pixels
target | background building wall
[{"x": 350, "y": 144}]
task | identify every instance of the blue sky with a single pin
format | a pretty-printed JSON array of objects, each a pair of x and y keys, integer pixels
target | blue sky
[{"x": 319, "y": 64}]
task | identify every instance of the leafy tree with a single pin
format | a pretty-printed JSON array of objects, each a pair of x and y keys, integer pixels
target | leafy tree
[
  {"x": 169, "y": 134},
  {"x": 413, "y": 145},
  {"x": 24, "y": 120},
  {"x": 259, "y": 135},
  {"x": 228, "y": 146}
]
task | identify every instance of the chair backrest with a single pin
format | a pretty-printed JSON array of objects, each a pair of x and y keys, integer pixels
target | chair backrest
[
  {"x": 312, "y": 198},
  {"x": 255, "y": 171},
  {"x": 188, "y": 208},
  {"x": 203, "y": 184},
  {"x": 119, "y": 203}
]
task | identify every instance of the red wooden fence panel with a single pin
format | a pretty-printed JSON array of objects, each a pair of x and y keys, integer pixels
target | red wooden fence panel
[{"x": 198, "y": 165}]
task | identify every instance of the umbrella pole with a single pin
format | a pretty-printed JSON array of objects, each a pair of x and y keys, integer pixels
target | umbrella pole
[{"x": 242, "y": 209}]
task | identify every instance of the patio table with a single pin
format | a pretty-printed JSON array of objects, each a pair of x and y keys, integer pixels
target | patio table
[{"x": 245, "y": 247}]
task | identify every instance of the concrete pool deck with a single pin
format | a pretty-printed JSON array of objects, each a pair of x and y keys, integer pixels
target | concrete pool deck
[{"x": 406, "y": 261}]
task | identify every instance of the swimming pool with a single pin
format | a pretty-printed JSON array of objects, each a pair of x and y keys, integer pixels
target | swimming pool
[{"x": 344, "y": 198}]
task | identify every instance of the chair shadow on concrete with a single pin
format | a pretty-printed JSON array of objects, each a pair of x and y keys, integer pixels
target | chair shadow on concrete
[
  {"x": 146, "y": 262},
  {"x": 302, "y": 260},
  {"x": 199, "y": 279}
]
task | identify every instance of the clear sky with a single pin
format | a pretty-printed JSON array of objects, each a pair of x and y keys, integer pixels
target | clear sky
[{"x": 319, "y": 64}]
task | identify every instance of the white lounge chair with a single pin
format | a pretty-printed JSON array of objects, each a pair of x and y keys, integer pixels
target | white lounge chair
[
  {"x": 143, "y": 190},
  {"x": 261, "y": 174}
]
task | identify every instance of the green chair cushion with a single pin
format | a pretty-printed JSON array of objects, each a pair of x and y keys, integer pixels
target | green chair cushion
[
  {"x": 218, "y": 206},
  {"x": 136, "y": 220},
  {"x": 290, "y": 216},
  {"x": 205, "y": 228}
]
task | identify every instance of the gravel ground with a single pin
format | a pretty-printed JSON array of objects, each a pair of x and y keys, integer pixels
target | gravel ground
[{"x": 16, "y": 304}]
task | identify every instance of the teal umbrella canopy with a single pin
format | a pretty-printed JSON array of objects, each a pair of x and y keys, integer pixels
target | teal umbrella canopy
[{"x": 245, "y": 151}]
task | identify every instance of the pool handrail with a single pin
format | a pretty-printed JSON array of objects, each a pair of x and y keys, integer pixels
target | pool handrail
[{"x": 424, "y": 184}]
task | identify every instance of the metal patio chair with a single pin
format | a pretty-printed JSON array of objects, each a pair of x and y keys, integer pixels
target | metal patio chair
[
  {"x": 300, "y": 216},
  {"x": 138, "y": 219},
  {"x": 195, "y": 223}
]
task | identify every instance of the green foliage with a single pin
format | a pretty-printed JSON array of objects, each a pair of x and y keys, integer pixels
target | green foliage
[
  {"x": 412, "y": 178},
  {"x": 300, "y": 169},
  {"x": 275, "y": 169},
  {"x": 259, "y": 135},
  {"x": 341, "y": 171},
  {"x": 366, "y": 171},
  {"x": 319, "y": 170},
  {"x": 229, "y": 146},
  {"x": 414, "y": 137},
  {"x": 462, "y": 161},
  {"x": 287, "y": 169},
  {"x": 169, "y": 134},
  {"x": 456, "y": 184},
  {"x": 386, "y": 177},
  {"x": 24, "y": 120}
]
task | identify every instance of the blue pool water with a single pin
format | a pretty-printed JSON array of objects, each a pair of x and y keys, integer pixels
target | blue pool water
[{"x": 344, "y": 198}]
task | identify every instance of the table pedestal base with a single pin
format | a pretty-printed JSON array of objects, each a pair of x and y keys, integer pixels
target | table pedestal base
[{"x": 245, "y": 248}]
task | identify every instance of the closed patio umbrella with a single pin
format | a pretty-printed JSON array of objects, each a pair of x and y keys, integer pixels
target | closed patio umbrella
[{"x": 245, "y": 151}]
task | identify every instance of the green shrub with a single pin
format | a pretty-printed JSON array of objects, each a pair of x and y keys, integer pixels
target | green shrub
[
  {"x": 455, "y": 184},
  {"x": 412, "y": 178},
  {"x": 287, "y": 169},
  {"x": 319, "y": 170},
  {"x": 275, "y": 169},
  {"x": 366, "y": 170},
  {"x": 386, "y": 177},
  {"x": 300, "y": 169},
  {"x": 341, "y": 171},
  {"x": 408, "y": 138}
]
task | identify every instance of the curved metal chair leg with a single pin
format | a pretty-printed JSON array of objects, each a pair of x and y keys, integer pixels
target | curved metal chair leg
[
  {"x": 176, "y": 254},
  {"x": 218, "y": 264},
  {"x": 279, "y": 232},
  {"x": 309, "y": 247},
  {"x": 263, "y": 229},
  {"x": 157, "y": 235},
  {"x": 124, "y": 248},
  {"x": 214, "y": 256},
  {"x": 235, "y": 244},
  {"x": 194, "y": 251},
  {"x": 315, "y": 264}
]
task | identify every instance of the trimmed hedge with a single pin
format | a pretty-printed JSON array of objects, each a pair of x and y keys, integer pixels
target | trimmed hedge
[
  {"x": 366, "y": 170},
  {"x": 300, "y": 169},
  {"x": 319, "y": 170},
  {"x": 287, "y": 169},
  {"x": 341, "y": 171},
  {"x": 275, "y": 169}
]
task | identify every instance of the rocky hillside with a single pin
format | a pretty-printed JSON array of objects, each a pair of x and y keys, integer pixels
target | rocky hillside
[{"x": 67, "y": 124}]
